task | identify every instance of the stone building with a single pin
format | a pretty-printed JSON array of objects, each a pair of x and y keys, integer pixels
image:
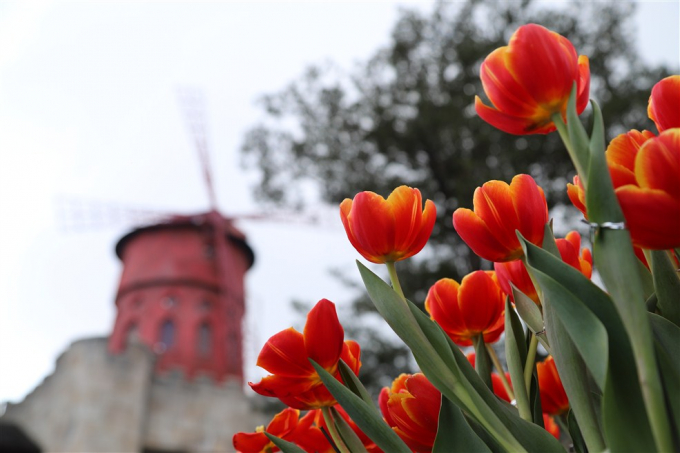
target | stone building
[{"x": 169, "y": 378}]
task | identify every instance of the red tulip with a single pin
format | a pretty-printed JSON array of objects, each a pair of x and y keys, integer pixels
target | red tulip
[
  {"x": 388, "y": 230},
  {"x": 474, "y": 307},
  {"x": 551, "y": 426},
  {"x": 499, "y": 210},
  {"x": 286, "y": 355},
  {"x": 530, "y": 79},
  {"x": 621, "y": 154},
  {"x": 664, "y": 103},
  {"x": 553, "y": 398},
  {"x": 651, "y": 203},
  {"x": 411, "y": 408},
  {"x": 577, "y": 196},
  {"x": 288, "y": 426}
]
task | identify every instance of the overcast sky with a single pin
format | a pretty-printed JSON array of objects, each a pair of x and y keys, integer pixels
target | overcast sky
[{"x": 88, "y": 112}]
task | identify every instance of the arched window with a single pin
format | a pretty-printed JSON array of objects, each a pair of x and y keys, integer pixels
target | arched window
[
  {"x": 168, "y": 334},
  {"x": 131, "y": 334},
  {"x": 204, "y": 339}
]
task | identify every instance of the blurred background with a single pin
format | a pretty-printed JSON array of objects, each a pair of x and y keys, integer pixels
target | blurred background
[{"x": 305, "y": 104}]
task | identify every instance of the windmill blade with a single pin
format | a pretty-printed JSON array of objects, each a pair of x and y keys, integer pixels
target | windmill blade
[{"x": 192, "y": 103}]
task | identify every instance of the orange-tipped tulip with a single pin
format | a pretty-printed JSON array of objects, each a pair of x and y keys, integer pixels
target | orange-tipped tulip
[
  {"x": 499, "y": 210},
  {"x": 411, "y": 408},
  {"x": 530, "y": 79},
  {"x": 664, "y": 103},
  {"x": 288, "y": 426},
  {"x": 577, "y": 196},
  {"x": 553, "y": 397},
  {"x": 388, "y": 230},
  {"x": 651, "y": 204},
  {"x": 473, "y": 307},
  {"x": 286, "y": 355}
]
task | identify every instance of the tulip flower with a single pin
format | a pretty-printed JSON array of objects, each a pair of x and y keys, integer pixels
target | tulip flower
[
  {"x": 388, "y": 230},
  {"x": 474, "y": 307},
  {"x": 286, "y": 355},
  {"x": 411, "y": 408},
  {"x": 664, "y": 103},
  {"x": 530, "y": 80},
  {"x": 577, "y": 195},
  {"x": 553, "y": 398},
  {"x": 288, "y": 426},
  {"x": 651, "y": 204},
  {"x": 499, "y": 210}
]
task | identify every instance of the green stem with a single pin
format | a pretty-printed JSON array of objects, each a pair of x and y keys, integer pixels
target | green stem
[
  {"x": 564, "y": 135},
  {"x": 395, "y": 279},
  {"x": 499, "y": 367},
  {"x": 531, "y": 357},
  {"x": 335, "y": 435}
]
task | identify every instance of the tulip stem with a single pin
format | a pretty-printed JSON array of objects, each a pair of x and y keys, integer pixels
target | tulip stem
[
  {"x": 335, "y": 435},
  {"x": 531, "y": 358},
  {"x": 564, "y": 135},
  {"x": 501, "y": 372},
  {"x": 392, "y": 270}
]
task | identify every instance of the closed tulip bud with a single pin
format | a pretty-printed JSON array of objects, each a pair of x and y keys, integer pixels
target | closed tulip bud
[
  {"x": 530, "y": 79},
  {"x": 651, "y": 203},
  {"x": 474, "y": 307},
  {"x": 499, "y": 210},
  {"x": 553, "y": 397},
  {"x": 388, "y": 230},
  {"x": 664, "y": 103},
  {"x": 411, "y": 408},
  {"x": 286, "y": 355}
]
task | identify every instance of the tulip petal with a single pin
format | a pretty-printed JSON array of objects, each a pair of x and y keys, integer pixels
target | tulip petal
[
  {"x": 583, "y": 84},
  {"x": 427, "y": 220},
  {"x": 372, "y": 223},
  {"x": 652, "y": 216},
  {"x": 479, "y": 238},
  {"x": 501, "y": 87},
  {"x": 442, "y": 305},
  {"x": 657, "y": 165},
  {"x": 250, "y": 442},
  {"x": 284, "y": 422},
  {"x": 406, "y": 206},
  {"x": 323, "y": 334},
  {"x": 284, "y": 354},
  {"x": 515, "y": 125},
  {"x": 480, "y": 302},
  {"x": 280, "y": 387},
  {"x": 664, "y": 103},
  {"x": 529, "y": 202}
]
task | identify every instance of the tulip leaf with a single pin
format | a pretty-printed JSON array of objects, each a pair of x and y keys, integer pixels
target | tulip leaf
[
  {"x": 667, "y": 285},
  {"x": 575, "y": 433},
  {"x": 516, "y": 356},
  {"x": 646, "y": 278},
  {"x": 349, "y": 437},
  {"x": 667, "y": 335},
  {"x": 363, "y": 414},
  {"x": 528, "y": 310},
  {"x": 353, "y": 383},
  {"x": 549, "y": 244},
  {"x": 624, "y": 415},
  {"x": 482, "y": 361},
  {"x": 284, "y": 445},
  {"x": 531, "y": 436},
  {"x": 617, "y": 265},
  {"x": 454, "y": 433}
]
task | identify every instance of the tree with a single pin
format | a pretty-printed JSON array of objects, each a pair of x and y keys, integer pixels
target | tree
[{"x": 407, "y": 116}]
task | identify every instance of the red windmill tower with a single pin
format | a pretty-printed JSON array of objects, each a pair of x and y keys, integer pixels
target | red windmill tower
[{"x": 182, "y": 286}]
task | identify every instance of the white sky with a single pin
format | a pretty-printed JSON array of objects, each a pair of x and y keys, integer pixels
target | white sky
[{"x": 88, "y": 111}]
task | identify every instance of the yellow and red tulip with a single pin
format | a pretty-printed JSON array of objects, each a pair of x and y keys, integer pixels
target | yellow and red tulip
[
  {"x": 651, "y": 203},
  {"x": 577, "y": 195},
  {"x": 553, "y": 397},
  {"x": 499, "y": 210},
  {"x": 388, "y": 230},
  {"x": 474, "y": 307},
  {"x": 286, "y": 425},
  {"x": 286, "y": 355},
  {"x": 411, "y": 408},
  {"x": 664, "y": 103},
  {"x": 530, "y": 79}
]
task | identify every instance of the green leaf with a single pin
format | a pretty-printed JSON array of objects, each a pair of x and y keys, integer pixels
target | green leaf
[
  {"x": 482, "y": 361},
  {"x": 625, "y": 423},
  {"x": 578, "y": 137},
  {"x": 575, "y": 433},
  {"x": 667, "y": 285},
  {"x": 667, "y": 335},
  {"x": 453, "y": 432},
  {"x": 528, "y": 310},
  {"x": 362, "y": 413},
  {"x": 347, "y": 434},
  {"x": 516, "y": 356},
  {"x": 284, "y": 445},
  {"x": 549, "y": 244},
  {"x": 353, "y": 383}
]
